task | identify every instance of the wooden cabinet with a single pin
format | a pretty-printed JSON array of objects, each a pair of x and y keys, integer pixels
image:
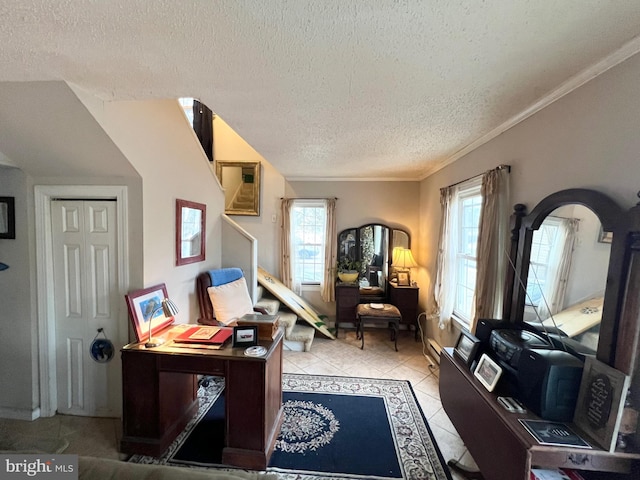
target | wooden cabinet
[
  {"x": 347, "y": 298},
  {"x": 406, "y": 299}
]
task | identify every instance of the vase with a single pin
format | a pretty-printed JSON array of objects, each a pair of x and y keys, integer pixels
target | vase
[{"x": 348, "y": 277}]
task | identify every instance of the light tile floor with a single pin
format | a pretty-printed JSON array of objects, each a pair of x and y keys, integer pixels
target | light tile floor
[{"x": 343, "y": 357}]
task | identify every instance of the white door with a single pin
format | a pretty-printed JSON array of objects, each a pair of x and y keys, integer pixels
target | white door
[{"x": 86, "y": 299}]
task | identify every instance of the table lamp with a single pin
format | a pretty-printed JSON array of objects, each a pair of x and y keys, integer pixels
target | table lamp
[
  {"x": 169, "y": 309},
  {"x": 402, "y": 260}
]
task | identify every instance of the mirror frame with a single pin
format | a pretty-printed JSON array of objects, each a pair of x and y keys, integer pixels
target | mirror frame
[
  {"x": 390, "y": 246},
  {"x": 610, "y": 215},
  {"x": 254, "y": 210},
  {"x": 180, "y": 204}
]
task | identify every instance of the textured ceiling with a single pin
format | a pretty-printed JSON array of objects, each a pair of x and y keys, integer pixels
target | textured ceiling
[{"x": 324, "y": 88}]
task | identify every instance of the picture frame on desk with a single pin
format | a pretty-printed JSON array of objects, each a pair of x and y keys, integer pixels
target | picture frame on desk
[
  {"x": 488, "y": 372},
  {"x": 245, "y": 336},
  {"x": 466, "y": 348},
  {"x": 144, "y": 303},
  {"x": 403, "y": 279},
  {"x": 600, "y": 404}
]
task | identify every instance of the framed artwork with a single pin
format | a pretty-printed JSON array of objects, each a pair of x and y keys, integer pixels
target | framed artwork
[
  {"x": 600, "y": 402},
  {"x": 467, "y": 348},
  {"x": 190, "y": 232},
  {"x": 488, "y": 372},
  {"x": 146, "y": 306},
  {"x": 245, "y": 336},
  {"x": 605, "y": 237},
  {"x": 242, "y": 177},
  {"x": 403, "y": 278},
  {"x": 7, "y": 217}
]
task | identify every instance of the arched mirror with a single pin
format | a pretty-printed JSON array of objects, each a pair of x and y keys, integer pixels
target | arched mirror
[
  {"x": 371, "y": 245},
  {"x": 562, "y": 267}
]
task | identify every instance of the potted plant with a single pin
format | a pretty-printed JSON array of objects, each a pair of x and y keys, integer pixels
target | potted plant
[{"x": 348, "y": 269}]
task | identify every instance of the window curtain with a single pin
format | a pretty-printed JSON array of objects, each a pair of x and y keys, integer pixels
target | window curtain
[
  {"x": 287, "y": 259},
  {"x": 556, "y": 282},
  {"x": 286, "y": 270},
  {"x": 493, "y": 234},
  {"x": 444, "y": 290},
  {"x": 203, "y": 126},
  {"x": 330, "y": 254}
]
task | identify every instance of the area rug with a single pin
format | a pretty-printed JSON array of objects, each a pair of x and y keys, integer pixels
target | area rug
[{"x": 333, "y": 428}]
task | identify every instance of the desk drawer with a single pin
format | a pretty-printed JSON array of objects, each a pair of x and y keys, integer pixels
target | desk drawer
[{"x": 201, "y": 364}]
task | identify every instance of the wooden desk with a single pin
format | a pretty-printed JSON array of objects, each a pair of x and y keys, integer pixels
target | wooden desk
[
  {"x": 498, "y": 443},
  {"x": 159, "y": 398}
]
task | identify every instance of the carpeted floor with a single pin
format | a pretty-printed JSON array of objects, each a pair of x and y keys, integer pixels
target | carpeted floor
[{"x": 334, "y": 427}]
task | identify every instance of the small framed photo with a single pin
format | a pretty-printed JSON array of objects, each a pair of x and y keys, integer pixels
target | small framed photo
[
  {"x": 605, "y": 237},
  {"x": 467, "y": 348},
  {"x": 245, "y": 336},
  {"x": 488, "y": 372},
  {"x": 7, "y": 217},
  {"x": 403, "y": 279},
  {"x": 146, "y": 306}
]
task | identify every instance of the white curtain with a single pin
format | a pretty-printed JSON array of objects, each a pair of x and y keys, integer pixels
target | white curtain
[
  {"x": 555, "y": 286},
  {"x": 493, "y": 235},
  {"x": 444, "y": 285}
]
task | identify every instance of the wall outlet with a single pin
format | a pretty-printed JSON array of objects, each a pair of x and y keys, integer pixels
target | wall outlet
[{"x": 274, "y": 218}]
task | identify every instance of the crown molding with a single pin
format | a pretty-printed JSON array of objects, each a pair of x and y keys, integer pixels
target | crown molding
[{"x": 618, "y": 56}]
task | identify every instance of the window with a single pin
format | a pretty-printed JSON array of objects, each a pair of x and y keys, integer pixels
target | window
[
  {"x": 187, "y": 105},
  {"x": 543, "y": 244},
  {"x": 308, "y": 227},
  {"x": 468, "y": 218}
]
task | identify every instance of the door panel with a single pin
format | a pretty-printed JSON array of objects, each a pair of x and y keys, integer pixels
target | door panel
[{"x": 86, "y": 296}]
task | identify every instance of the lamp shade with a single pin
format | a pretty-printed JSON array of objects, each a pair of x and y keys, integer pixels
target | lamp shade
[
  {"x": 402, "y": 258},
  {"x": 169, "y": 309}
]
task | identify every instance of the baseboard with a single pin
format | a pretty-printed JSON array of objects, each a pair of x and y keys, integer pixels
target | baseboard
[
  {"x": 434, "y": 350},
  {"x": 19, "y": 413}
]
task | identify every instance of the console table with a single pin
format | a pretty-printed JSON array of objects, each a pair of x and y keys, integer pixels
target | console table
[
  {"x": 498, "y": 443},
  {"x": 159, "y": 397}
]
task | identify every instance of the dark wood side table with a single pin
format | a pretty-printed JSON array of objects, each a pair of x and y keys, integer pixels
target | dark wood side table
[
  {"x": 499, "y": 444},
  {"x": 406, "y": 299},
  {"x": 347, "y": 299}
]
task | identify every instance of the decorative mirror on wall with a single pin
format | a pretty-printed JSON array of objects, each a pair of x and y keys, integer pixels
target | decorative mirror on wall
[
  {"x": 562, "y": 269},
  {"x": 241, "y": 184},
  {"x": 372, "y": 245},
  {"x": 190, "y": 232}
]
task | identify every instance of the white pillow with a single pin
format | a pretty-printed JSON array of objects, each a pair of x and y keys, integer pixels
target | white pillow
[{"x": 230, "y": 301}]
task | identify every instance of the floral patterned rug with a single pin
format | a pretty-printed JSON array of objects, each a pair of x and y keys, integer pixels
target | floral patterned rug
[{"x": 333, "y": 428}]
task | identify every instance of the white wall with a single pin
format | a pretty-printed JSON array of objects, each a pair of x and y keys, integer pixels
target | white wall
[
  {"x": 18, "y": 342},
  {"x": 587, "y": 139},
  {"x": 395, "y": 204},
  {"x": 161, "y": 145},
  {"x": 229, "y": 146}
]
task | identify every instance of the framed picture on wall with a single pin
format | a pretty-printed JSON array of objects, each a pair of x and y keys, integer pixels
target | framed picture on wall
[{"x": 7, "y": 217}]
